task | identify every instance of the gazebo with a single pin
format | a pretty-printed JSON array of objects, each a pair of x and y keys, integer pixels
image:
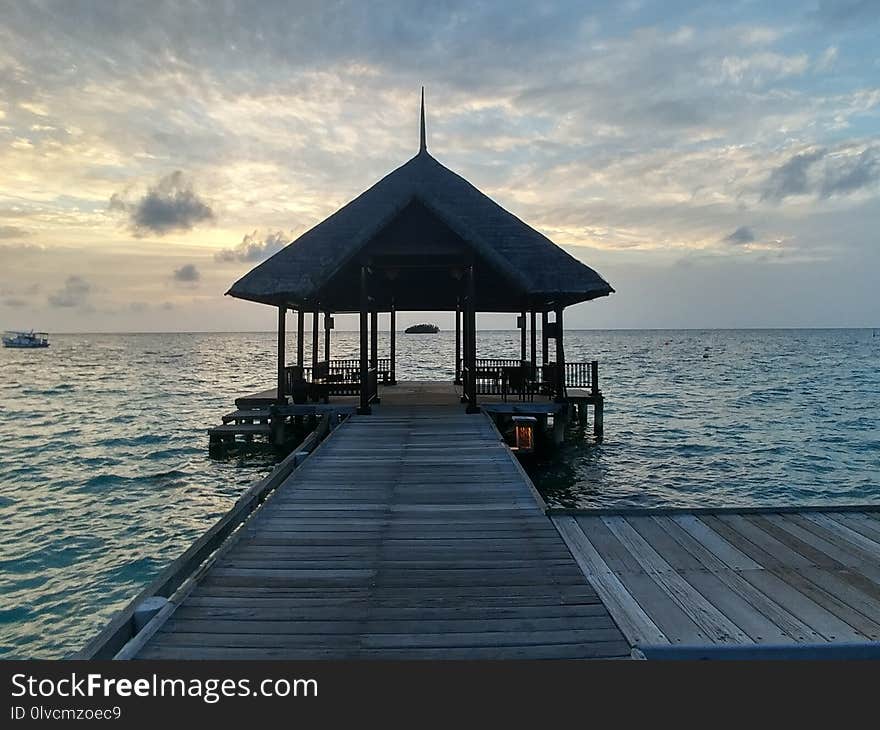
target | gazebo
[{"x": 421, "y": 239}]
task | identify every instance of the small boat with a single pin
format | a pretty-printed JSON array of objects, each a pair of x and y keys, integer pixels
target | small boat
[
  {"x": 422, "y": 329},
  {"x": 25, "y": 339}
]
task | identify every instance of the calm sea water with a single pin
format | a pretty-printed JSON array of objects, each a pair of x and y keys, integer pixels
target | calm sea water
[{"x": 105, "y": 475}]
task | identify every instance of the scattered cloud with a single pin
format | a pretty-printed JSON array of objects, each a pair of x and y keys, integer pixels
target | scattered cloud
[
  {"x": 187, "y": 274},
  {"x": 741, "y": 236},
  {"x": 13, "y": 232},
  {"x": 824, "y": 173},
  {"x": 630, "y": 135},
  {"x": 255, "y": 247},
  {"x": 170, "y": 205},
  {"x": 849, "y": 172},
  {"x": 74, "y": 293}
]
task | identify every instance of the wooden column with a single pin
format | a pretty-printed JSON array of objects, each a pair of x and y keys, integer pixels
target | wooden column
[
  {"x": 314, "y": 340},
  {"x": 472, "y": 342},
  {"x": 464, "y": 373},
  {"x": 534, "y": 321},
  {"x": 327, "y": 318},
  {"x": 300, "y": 333},
  {"x": 364, "y": 408},
  {"x": 522, "y": 336},
  {"x": 544, "y": 343},
  {"x": 457, "y": 380},
  {"x": 282, "y": 336},
  {"x": 392, "y": 334},
  {"x": 374, "y": 339},
  {"x": 560, "y": 357}
]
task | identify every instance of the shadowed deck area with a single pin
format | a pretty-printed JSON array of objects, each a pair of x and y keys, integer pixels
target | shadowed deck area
[
  {"x": 726, "y": 577},
  {"x": 410, "y": 533}
]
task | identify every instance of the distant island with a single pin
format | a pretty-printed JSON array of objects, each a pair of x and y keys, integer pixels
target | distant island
[{"x": 422, "y": 329}]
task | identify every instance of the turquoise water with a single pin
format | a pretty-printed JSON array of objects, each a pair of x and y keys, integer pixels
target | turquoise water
[{"x": 105, "y": 475}]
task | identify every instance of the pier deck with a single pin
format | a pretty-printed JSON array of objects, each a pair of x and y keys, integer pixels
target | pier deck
[
  {"x": 410, "y": 533},
  {"x": 753, "y": 581}
]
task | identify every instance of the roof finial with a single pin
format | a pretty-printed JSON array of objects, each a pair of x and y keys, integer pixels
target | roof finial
[{"x": 423, "y": 145}]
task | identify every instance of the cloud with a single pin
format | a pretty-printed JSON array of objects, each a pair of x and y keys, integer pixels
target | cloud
[
  {"x": 187, "y": 274},
  {"x": 14, "y": 302},
  {"x": 170, "y": 205},
  {"x": 13, "y": 232},
  {"x": 824, "y": 173},
  {"x": 741, "y": 236},
  {"x": 848, "y": 173},
  {"x": 74, "y": 293},
  {"x": 791, "y": 177},
  {"x": 255, "y": 247}
]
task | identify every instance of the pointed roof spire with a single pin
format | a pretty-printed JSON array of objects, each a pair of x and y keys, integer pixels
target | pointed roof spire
[{"x": 423, "y": 145}]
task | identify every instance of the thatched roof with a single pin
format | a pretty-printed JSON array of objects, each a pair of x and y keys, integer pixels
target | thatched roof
[{"x": 532, "y": 267}]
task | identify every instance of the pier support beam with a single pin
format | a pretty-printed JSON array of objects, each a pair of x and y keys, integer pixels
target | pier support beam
[
  {"x": 392, "y": 334},
  {"x": 472, "y": 406},
  {"x": 314, "y": 340},
  {"x": 544, "y": 339},
  {"x": 457, "y": 380},
  {"x": 465, "y": 373},
  {"x": 560, "y": 357},
  {"x": 364, "y": 408},
  {"x": 300, "y": 334},
  {"x": 328, "y": 326},
  {"x": 374, "y": 347},
  {"x": 374, "y": 339},
  {"x": 599, "y": 418},
  {"x": 281, "y": 396},
  {"x": 534, "y": 333},
  {"x": 522, "y": 336}
]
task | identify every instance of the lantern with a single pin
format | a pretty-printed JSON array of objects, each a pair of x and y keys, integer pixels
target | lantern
[{"x": 524, "y": 434}]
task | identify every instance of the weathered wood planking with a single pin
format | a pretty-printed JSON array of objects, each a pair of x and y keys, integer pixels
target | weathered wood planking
[
  {"x": 412, "y": 533},
  {"x": 757, "y": 578}
]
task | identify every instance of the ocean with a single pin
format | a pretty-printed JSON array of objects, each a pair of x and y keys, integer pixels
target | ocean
[{"x": 105, "y": 475}]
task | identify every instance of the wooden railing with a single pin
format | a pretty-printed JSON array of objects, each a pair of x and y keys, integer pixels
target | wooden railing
[
  {"x": 511, "y": 378},
  {"x": 336, "y": 377},
  {"x": 345, "y": 371}
]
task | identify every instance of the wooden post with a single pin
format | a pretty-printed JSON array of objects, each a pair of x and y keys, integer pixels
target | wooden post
[
  {"x": 364, "y": 408},
  {"x": 314, "y": 340},
  {"x": 457, "y": 380},
  {"x": 281, "y": 396},
  {"x": 560, "y": 357},
  {"x": 465, "y": 373},
  {"x": 393, "y": 336},
  {"x": 374, "y": 339},
  {"x": 300, "y": 333},
  {"x": 544, "y": 343},
  {"x": 594, "y": 377},
  {"x": 327, "y": 318},
  {"x": 599, "y": 418},
  {"x": 522, "y": 336},
  {"x": 533, "y": 324},
  {"x": 472, "y": 342},
  {"x": 374, "y": 347}
]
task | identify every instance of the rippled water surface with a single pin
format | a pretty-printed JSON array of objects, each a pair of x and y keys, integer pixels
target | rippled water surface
[{"x": 105, "y": 475}]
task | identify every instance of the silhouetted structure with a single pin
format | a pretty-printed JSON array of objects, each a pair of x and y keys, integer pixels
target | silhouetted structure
[{"x": 422, "y": 238}]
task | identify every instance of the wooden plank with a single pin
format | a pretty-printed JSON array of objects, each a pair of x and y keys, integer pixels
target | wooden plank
[
  {"x": 717, "y": 626},
  {"x": 847, "y": 537},
  {"x": 635, "y": 624},
  {"x": 787, "y": 624},
  {"x": 714, "y": 543},
  {"x": 387, "y": 547}
]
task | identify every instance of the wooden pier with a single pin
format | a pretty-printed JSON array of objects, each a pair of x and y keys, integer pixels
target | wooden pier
[
  {"x": 410, "y": 533},
  {"x": 738, "y": 583}
]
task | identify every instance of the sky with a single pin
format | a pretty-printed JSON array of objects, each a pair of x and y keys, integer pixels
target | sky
[{"x": 718, "y": 164}]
